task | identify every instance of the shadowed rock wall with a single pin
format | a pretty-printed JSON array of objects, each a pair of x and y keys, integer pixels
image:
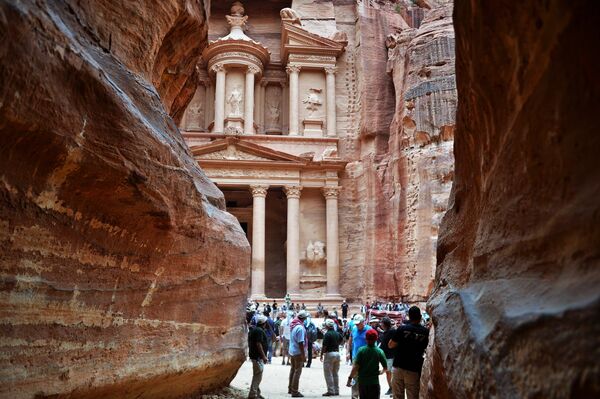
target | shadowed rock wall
[
  {"x": 113, "y": 243},
  {"x": 516, "y": 302}
]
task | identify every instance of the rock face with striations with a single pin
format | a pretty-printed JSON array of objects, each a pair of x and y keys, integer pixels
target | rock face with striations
[
  {"x": 516, "y": 302},
  {"x": 113, "y": 243}
]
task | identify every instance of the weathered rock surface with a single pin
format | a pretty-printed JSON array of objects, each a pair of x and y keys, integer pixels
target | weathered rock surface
[
  {"x": 516, "y": 301},
  {"x": 399, "y": 175},
  {"x": 113, "y": 244}
]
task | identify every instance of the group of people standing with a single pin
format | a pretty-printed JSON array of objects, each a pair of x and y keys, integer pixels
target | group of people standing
[{"x": 399, "y": 351}]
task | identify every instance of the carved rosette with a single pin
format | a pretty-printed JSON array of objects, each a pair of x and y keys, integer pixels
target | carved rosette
[
  {"x": 293, "y": 69},
  {"x": 331, "y": 192},
  {"x": 259, "y": 190},
  {"x": 292, "y": 191}
]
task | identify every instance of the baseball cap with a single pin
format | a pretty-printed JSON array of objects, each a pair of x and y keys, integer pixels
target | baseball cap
[
  {"x": 329, "y": 323},
  {"x": 303, "y": 314},
  {"x": 371, "y": 335},
  {"x": 358, "y": 319}
]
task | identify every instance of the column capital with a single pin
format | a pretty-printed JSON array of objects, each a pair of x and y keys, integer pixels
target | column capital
[
  {"x": 331, "y": 192},
  {"x": 259, "y": 190},
  {"x": 330, "y": 70},
  {"x": 253, "y": 70},
  {"x": 292, "y": 191},
  {"x": 218, "y": 68},
  {"x": 291, "y": 68}
]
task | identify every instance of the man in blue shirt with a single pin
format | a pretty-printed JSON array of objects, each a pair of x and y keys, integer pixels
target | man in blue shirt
[
  {"x": 298, "y": 346},
  {"x": 358, "y": 339}
]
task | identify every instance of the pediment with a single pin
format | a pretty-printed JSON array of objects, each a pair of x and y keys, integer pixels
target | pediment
[
  {"x": 294, "y": 39},
  {"x": 235, "y": 149}
]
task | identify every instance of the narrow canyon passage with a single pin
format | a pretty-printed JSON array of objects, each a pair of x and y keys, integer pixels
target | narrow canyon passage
[{"x": 163, "y": 162}]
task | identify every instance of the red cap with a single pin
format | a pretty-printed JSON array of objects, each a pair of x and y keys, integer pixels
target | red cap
[{"x": 371, "y": 335}]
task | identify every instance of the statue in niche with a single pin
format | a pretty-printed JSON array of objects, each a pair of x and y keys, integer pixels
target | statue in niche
[
  {"x": 315, "y": 252},
  {"x": 312, "y": 101},
  {"x": 235, "y": 101},
  {"x": 273, "y": 113}
]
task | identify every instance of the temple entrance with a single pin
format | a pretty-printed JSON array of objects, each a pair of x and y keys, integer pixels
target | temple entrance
[{"x": 275, "y": 238}]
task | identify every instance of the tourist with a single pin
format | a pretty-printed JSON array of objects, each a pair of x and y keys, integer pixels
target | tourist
[
  {"x": 284, "y": 333},
  {"x": 319, "y": 310},
  {"x": 297, "y": 351},
  {"x": 257, "y": 347},
  {"x": 365, "y": 368},
  {"x": 330, "y": 356},
  {"x": 410, "y": 341},
  {"x": 388, "y": 332},
  {"x": 303, "y": 307},
  {"x": 270, "y": 332},
  {"x": 312, "y": 335},
  {"x": 334, "y": 312},
  {"x": 357, "y": 340},
  {"x": 344, "y": 310}
]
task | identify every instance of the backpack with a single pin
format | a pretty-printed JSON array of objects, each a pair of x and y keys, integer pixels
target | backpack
[{"x": 312, "y": 332}]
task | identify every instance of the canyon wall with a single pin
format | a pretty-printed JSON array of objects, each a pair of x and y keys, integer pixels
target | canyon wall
[
  {"x": 516, "y": 302},
  {"x": 113, "y": 243},
  {"x": 398, "y": 179}
]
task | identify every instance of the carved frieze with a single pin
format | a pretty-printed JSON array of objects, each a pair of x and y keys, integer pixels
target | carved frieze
[
  {"x": 249, "y": 173},
  {"x": 231, "y": 153}
]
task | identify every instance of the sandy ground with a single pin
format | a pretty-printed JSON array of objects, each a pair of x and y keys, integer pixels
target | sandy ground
[{"x": 275, "y": 380}]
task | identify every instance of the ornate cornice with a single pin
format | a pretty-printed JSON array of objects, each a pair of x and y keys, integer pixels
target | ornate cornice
[
  {"x": 259, "y": 190},
  {"x": 331, "y": 192},
  {"x": 292, "y": 191}
]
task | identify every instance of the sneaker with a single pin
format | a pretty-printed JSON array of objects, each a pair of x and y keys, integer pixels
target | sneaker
[
  {"x": 389, "y": 392},
  {"x": 328, "y": 394},
  {"x": 297, "y": 395}
]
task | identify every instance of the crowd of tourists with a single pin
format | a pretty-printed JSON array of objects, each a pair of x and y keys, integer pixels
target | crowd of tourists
[{"x": 397, "y": 346}]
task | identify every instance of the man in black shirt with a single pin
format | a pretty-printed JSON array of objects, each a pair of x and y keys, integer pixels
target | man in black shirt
[
  {"x": 410, "y": 341},
  {"x": 387, "y": 334},
  {"x": 344, "y": 310},
  {"x": 331, "y": 364},
  {"x": 257, "y": 345}
]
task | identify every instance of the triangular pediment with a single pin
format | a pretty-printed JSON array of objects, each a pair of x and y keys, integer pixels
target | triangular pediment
[
  {"x": 236, "y": 149},
  {"x": 295, "y": 39}
]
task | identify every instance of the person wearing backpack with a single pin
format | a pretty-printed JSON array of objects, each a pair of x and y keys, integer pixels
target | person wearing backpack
[{"x": 312, "y": 334}]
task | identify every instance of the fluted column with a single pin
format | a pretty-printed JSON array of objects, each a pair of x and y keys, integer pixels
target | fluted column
[
  {"x": 333, "y": 251},
  {"x": 259, "y": 193},
  {"x": 331, "y": 122},
  {"x": 249, "y": 100},
  {"x": 219, "y": 98},
  {"x": 293, "y": 71},
  {"x": 293, "y": 239}
]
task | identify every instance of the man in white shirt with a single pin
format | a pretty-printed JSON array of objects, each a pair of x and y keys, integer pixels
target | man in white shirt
[{"x": 284, "y": 333}]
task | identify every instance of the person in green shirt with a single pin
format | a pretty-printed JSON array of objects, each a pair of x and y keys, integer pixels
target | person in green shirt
[{"x": 366, "y": 368}]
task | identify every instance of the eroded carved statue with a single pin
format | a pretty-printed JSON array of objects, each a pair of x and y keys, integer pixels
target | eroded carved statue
[
  {"x": 291, "y": 16},
  {"x": 315, "y": 252},
  {"x": 313, "y": 101},
  {"x": 235, "y": 101},
  {"x": 273, "y": 113}
]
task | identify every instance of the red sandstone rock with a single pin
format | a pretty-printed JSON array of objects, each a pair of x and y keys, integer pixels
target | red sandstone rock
[
  {"x": 516, "y": 302},
  {"x": 113, "y": 243}
]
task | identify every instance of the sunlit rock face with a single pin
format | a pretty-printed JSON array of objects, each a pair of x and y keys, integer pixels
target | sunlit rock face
[
  {"x": 516, "y": 301},
  {"x": 401, "y": 163},
  {"x": 117, "y": 258}
]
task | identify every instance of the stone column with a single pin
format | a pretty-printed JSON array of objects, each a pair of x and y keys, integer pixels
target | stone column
[
  {"x": 331, "y": 122},
  {"x": 333, "y": 251},
  {"x": 207, "y": 95},
  {"x": 293, "y": 239},
  {"x": 259, "y": 193},
  {"x": 294, "y": 70},
  {"x": 249, "y": 100},
  {"x": 219, "y": 98}
]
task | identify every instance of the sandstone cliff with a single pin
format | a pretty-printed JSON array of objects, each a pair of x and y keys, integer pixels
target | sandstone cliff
[
  {"x": 113, "y": 243},
  {"x": 516, "y": 301},
  {"x": 401, "y": 173}
]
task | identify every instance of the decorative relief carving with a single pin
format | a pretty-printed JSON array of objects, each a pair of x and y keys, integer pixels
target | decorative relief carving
[
  {"x": 251, "y": 173},
  {"x": 253, "y": 70},
  {"x": 231, "y": 153},
  {"x": 291, "y": 16},
  {"x": 195, "y": 114},
  {"x": 318, "y": 58},
  {"x": 312, "y": 101},
  {"x": 259, "y": 190},
  {"x": 273, "y": 107},
  {"x": 236, "y": 55},
  {"x": 218, "y": 68},
  {"x": 233, "y": 130},
  {"x": 330, "y": 70},
  {"x": 292, "y": 191},
  {"x": 235, "y": 101},
  {"x": 293, "y": 69},
  {"x": 237, "y": 17},
  {"x": 315, "y": 252},
  {"x": 331, "y": 192}
]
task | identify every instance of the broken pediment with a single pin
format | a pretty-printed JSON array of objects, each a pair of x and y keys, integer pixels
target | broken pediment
[{"x": 234, "y": 149}]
